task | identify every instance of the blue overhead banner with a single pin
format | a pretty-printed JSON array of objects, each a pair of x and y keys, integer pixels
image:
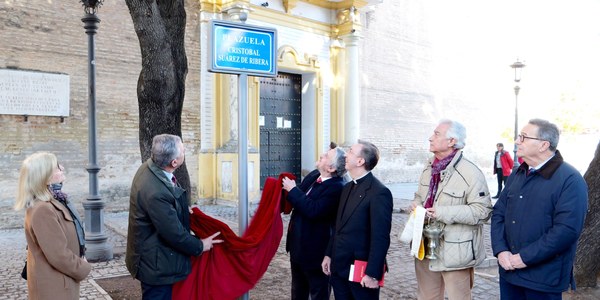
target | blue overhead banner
[{"x": 240, "y": 48}]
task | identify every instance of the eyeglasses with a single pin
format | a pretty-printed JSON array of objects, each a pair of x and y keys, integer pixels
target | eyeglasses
[{"x": 522, "y": 138}]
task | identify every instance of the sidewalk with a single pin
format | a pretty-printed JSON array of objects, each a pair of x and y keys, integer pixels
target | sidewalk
[{"x": 400, "y": 281}]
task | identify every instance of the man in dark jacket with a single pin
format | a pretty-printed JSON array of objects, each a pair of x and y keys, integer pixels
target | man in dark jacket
[
  {"x": 538, "y": 218},
  {"x": 362, "y": 228},
  {"x": 315, "y": 203},
  {"x": 159, "y": 242}
]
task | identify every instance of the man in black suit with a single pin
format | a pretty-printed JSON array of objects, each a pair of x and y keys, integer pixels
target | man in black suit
[
  {"x": 315, "y": 203},
  {"x": 362, "y": 227}
]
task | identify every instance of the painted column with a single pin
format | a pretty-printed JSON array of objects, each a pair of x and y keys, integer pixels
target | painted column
[{"x": 351, "y": 89}]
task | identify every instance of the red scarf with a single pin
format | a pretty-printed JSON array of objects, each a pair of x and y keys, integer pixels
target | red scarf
[
  {"x": 436, "y": 168},
  {"x": 233, "y": 267}
]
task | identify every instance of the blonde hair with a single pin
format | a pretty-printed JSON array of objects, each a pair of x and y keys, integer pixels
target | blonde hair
[{"x": 36, "y": 171}]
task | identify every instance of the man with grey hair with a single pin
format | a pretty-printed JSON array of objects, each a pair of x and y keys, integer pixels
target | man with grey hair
[
  {"x": 159, "y": 242},
  {"x": 454, "y": 192},
  {"x": 315, "y": 202},
  {"x": 538, "y": 218}
]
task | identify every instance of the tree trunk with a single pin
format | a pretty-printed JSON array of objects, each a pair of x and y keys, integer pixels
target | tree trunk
[
  {"x": 160, "y": 27},
  {"x": 587, "y": 264}
]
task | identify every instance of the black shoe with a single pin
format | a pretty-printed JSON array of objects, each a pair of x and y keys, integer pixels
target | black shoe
[{"x": 496, "y": 197}]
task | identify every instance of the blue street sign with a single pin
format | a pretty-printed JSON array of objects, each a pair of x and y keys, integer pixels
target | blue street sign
[{"x": 237, "y": 48}]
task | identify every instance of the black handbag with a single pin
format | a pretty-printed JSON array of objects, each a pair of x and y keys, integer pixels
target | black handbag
[{"x": 24, "y": 272}]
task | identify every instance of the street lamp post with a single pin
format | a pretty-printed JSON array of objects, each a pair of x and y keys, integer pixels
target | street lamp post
[
  {"x": 518, "y": 67},
  {"x": 97, "y": 248}
]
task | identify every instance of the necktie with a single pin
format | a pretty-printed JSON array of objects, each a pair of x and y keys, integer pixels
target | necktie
[
  {"x": 319, "y": 180},
  {"x": 174, "y": 180}
]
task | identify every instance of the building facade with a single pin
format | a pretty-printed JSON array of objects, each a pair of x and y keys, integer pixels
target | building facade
[{"x": 348, "y": 69}]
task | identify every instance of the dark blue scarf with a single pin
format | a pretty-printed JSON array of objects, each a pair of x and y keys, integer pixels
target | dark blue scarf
[{"x": 55, "y": 189}]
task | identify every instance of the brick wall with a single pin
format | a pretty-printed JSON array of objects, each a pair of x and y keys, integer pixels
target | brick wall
[
  {"x": 395, "y": 88},
  {"x": 396, "y": 64},
  {"x": 48, "y": 36},
  {"x": 399, "y": 92}
]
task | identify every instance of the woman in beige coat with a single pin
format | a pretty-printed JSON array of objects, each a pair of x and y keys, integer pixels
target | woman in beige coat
[{"x": 54, "y": 233}]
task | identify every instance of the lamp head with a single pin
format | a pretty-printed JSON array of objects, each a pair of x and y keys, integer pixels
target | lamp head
[
  {"x": 518, "y": 66},
  {"x": 90, "y": 6}
]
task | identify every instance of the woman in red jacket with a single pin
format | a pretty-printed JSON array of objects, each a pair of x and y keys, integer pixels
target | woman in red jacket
[{"x": 503, "y": 165}]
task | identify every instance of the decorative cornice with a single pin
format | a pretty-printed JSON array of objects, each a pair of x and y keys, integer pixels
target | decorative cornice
[
  {"x": 217, "y": 6},
  {"x": 337, "y": 4},
  {"x": 289, "y": 5},
  {"x": 310, "y": 61},
  {"x": 211, "y": 6}
]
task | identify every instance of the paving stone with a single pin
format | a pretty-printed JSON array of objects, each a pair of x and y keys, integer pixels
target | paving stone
[{"x": 275, "y": 284}]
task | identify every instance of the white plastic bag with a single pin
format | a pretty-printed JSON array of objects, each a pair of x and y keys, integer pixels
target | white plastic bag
[{"x": 413, "y": 232}]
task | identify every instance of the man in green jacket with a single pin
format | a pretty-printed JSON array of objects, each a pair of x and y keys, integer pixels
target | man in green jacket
[{"x": 159, "y": 242}]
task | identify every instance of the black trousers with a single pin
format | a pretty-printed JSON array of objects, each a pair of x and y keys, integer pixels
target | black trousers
[
  {"x": 157, "y": 292},
  {"x": 343, "y": 289},
  {"x": 513, "y": 292},
  {"x": 311, "y": 282},
  {"x": 501, "y": 180}
]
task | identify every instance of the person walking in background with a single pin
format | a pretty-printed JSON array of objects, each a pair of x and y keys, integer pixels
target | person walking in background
[
  {"x": 315, "y": 202},
  {"x": 537, "y": 222},
  {"x": 362, "y": 227},
  {"x": 454, "y": 192},
  {"x": 503, "y": 165},
  {"x": 159, "y": 242},
  {"x": 53, "y": 229}
]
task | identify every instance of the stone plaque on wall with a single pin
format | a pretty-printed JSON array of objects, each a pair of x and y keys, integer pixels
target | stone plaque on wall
[{"x": 34, "y": 93}]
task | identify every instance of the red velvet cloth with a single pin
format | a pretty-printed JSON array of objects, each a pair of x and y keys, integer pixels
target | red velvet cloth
[
  {"x": 286, "y": 206},
  {"x": 234, "y": 267}
]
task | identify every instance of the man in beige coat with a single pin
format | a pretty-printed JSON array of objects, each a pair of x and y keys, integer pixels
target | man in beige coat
[{"x": 454, "y": 192}]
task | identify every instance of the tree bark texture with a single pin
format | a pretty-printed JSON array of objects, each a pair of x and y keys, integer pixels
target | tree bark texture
[
  {"x": 587, "y": 264},
  {"x": 160, "y": 27}
]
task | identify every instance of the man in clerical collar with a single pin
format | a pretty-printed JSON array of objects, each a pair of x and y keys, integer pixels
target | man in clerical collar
[{"x": 362, "y": 228}]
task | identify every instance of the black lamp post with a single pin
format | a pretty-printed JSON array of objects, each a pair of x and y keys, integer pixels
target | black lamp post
[
  {"x": 95, "y": 237},
  {"x": 518, "y": 67}
]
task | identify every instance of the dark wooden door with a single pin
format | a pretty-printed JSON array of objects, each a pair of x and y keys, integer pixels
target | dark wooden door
[{"x": 280, "y": 125}]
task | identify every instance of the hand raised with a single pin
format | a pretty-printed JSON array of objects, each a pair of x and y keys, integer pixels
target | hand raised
[
  {"x": 288, "y": 184},
  {"x": 209, "y": 242}
]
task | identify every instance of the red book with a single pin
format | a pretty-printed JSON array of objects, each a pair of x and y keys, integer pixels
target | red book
[{"x": 357, "y": 271}]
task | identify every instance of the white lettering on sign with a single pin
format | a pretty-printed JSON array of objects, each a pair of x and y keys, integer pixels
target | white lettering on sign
[
  {"x": 33, "y": 93},
  {"x": 243, "y": 39},
  {"x": 245, "y": 51}
]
